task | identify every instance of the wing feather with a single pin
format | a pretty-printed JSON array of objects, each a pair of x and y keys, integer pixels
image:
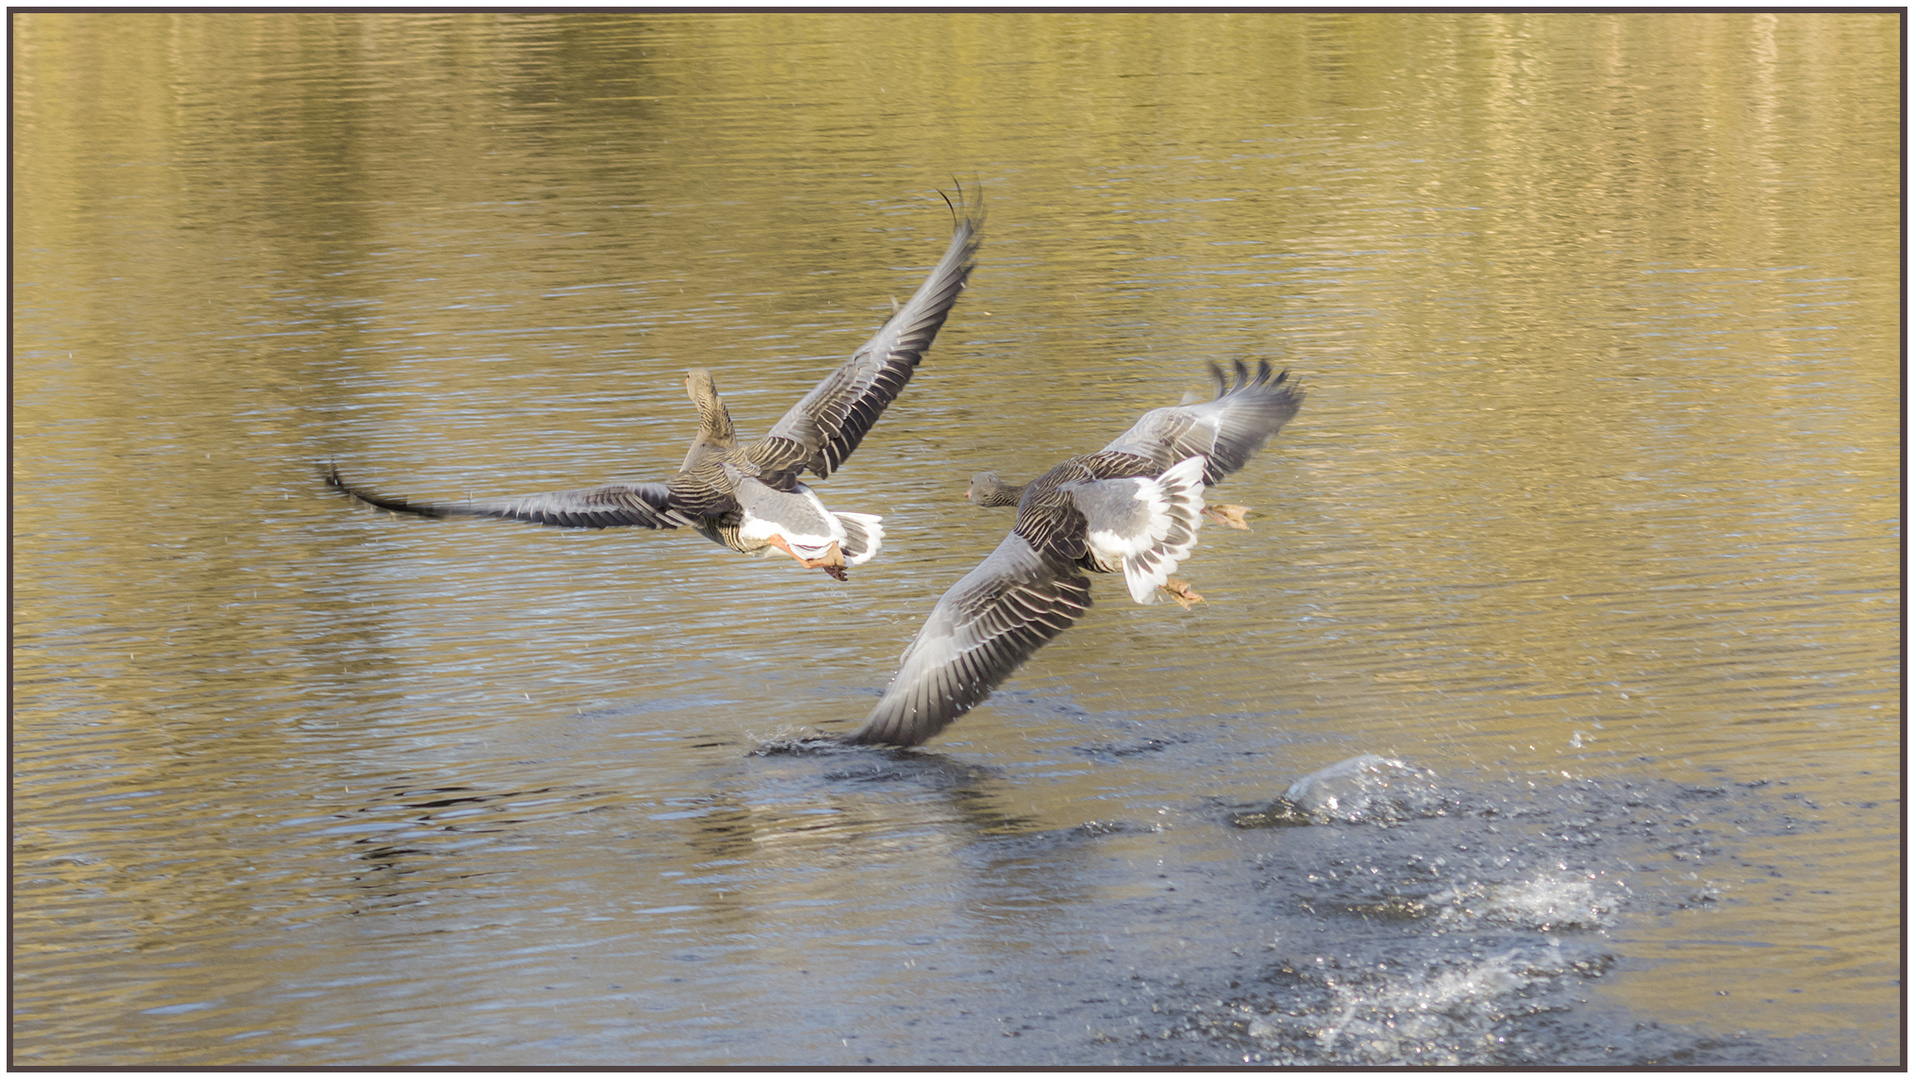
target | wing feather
[
  {"x": 827, "y": 424},
  {"x": 986, "y": 625},
  {"x": 606, "y": 506},
  {"x": 1225, "y": 431}
]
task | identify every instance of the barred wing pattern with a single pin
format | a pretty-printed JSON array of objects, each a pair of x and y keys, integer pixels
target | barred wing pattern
[
  {"x": 1225, "y": 431},
  {"x": 602, "y": 507},
  {"x": 987, "y": 624},
  {"x": 1134, "y": 505},
  {"x": 827, "y": 424}
]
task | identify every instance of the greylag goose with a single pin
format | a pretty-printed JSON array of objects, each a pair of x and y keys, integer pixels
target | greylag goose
[
  {"x": 747, "y": 496},
  {"x": 1133, "y": 507}
]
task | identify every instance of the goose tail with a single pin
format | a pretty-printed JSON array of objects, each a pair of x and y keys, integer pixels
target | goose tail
[
  {"x": 1176, "y": 514},
  {"x": 863, "y": 536}
]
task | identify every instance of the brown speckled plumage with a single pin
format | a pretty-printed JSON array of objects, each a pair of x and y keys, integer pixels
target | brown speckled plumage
[
  {"x": 1033, "y": 586},
  {"x": 723, "y": 485}
]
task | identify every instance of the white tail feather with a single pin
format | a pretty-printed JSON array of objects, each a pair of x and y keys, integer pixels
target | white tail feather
[
  {"x": 863, "y": 536},
  {"x": 1178, "y": 513}
]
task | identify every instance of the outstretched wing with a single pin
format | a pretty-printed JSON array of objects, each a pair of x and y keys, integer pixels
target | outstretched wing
[
  {"x": 987, "y": 624},
  {"x": 1224, "y": 432},
  {"x": 606, "y": 506},
  {"x": 827, "y": 424}
]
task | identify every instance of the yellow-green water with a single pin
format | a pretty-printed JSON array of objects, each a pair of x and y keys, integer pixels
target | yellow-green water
[{"x": 1598, "y": 484}]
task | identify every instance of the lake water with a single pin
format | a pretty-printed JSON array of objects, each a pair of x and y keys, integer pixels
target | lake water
[{"x": 1590, "y": 526}]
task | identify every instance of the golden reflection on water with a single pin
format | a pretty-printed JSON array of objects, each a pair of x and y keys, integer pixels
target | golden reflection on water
[{"x": 1599, "y": 475}]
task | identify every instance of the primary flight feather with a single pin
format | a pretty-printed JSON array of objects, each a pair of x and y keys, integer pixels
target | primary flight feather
[
  {"x": 1133, "y": 507},
  {"x": 746, "y": 495}
]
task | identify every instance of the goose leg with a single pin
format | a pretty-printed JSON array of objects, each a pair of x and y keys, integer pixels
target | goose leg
[
  {"x": 1227, "y": 514},
  {"x": 831, "y": 562},
  {"x": 1180, "y": 591}
]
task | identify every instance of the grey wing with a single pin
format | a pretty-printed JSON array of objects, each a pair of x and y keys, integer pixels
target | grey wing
[
  {"x": 987, "y": 624},
  {"x": 826, "y": 425},
  {"x": 1225, "y": 431},
  {"x": 608, "y": 505}
]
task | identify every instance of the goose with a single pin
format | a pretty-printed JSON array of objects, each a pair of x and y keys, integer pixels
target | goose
[
  {"x": 1133, "y": 507},
  {"x": 746, "y": 495}
]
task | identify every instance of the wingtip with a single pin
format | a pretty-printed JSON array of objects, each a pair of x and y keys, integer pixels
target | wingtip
[
  {"x": 886, "y": 733},
  {"x": 967, "y": 210},
  {"x": 1266, "y": 376},
  {"x": 329, "y": 472}
]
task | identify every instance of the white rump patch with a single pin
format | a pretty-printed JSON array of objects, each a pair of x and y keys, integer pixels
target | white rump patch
[
  {"x": 810, "y": 533},
  {"x": 1116, "y": 544},
  {"x": 1176, "y": 512},
  {"x": 810, "y": 529}
]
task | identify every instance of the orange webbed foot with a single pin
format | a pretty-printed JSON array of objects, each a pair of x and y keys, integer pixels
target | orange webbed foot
[
  {"x": 1227, "y": 514},
  {"x": 831, "y": 562},
  {"x": 1180, "y": 591}
]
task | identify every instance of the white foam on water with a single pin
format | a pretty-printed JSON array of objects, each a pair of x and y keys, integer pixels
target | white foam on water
[
  {"x": 1445, "y": 1015},
  {"x": 1544, "y": 902},
  {"x": 1368, "y": 787}
]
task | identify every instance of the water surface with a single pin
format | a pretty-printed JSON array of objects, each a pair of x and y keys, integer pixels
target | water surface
[{"x": 1591, "y": 521}]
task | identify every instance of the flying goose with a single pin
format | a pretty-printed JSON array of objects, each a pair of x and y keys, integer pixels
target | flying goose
[
  {"x": 1133, "y": 507},
  {"x": 747, "y": 496}
]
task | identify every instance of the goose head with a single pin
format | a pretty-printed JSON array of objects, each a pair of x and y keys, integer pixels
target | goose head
[
  {"x": 988, "y": 490},
  {"x": 714, "y": 420}
]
